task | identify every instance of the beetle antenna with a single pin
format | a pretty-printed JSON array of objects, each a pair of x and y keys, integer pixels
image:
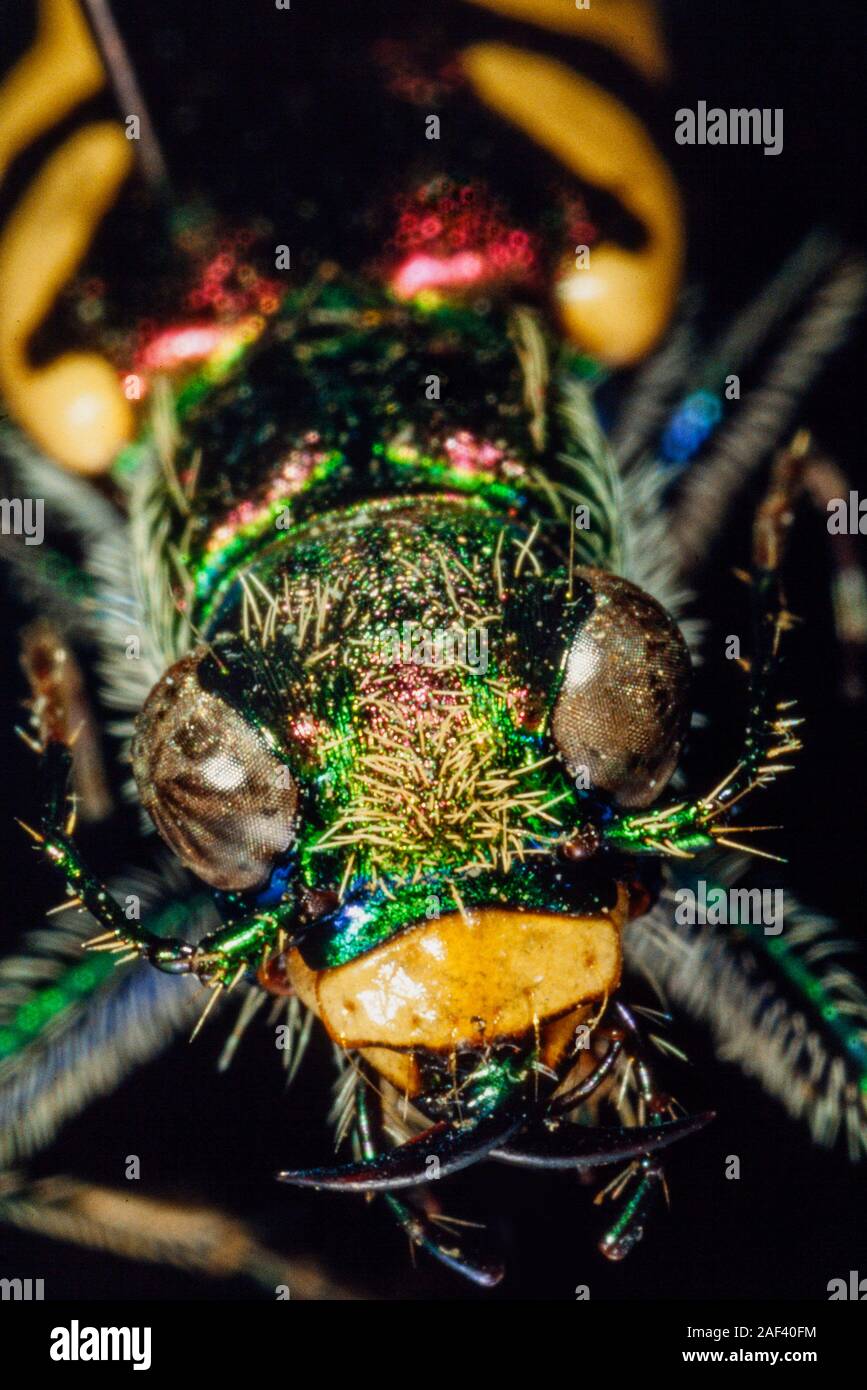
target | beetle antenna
[{"x": 128, "y": 93}]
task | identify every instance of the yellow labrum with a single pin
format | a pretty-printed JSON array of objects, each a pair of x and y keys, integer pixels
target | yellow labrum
[{"x": 467, "y": 979}]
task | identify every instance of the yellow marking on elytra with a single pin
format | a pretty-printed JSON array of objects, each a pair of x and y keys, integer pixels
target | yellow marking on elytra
[
  {"x": 617, "y": 308},
  {"x": 61, "y": 68},
  {"x": 630, "y": 28},
  {"x": 73, "y": 406}
]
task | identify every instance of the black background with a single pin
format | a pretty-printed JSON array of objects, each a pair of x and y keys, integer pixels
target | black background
[{"x": 255, "y": 106}]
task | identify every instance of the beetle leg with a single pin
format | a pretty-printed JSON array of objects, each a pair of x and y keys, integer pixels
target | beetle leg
[
  {"x": 770, "y": 735},
  {"x": 216, "y": 958},
  {"x": 468, "y": 1261},
  {"x": 628, "y": 1228},
  {"x": 420, "y": 1226},
  {"x": 555, "y": 1142}
]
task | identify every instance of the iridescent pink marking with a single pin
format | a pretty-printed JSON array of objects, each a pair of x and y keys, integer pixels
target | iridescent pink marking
[{"x": 468, "y": 454}]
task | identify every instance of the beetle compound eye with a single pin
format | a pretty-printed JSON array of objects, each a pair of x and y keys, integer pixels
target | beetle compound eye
[
  {"x": 218, "y": 796},
  {"x": 623, "y": 706}
]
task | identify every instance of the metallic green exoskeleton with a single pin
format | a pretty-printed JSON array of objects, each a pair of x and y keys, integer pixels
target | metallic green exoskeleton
[
  {"x": 415, "y": 724},
  {"x": 398, "y": 640}
]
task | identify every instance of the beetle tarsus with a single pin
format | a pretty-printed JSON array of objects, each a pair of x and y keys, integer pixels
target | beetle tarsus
[{"x": 464, "y": 1257}]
